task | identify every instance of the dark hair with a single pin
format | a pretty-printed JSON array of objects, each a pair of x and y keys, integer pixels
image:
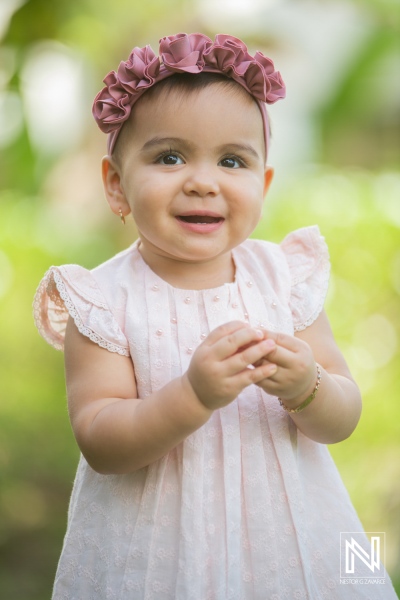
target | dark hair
[{"x": 189, "y": 82}]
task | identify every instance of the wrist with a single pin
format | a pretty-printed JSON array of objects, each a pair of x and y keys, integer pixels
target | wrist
[
  {"x": 193, "y": 399},
  {"x": 296, "y": 406}
]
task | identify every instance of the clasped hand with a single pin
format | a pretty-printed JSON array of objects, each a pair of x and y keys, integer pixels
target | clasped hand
[{"x": 236, "y": 355}]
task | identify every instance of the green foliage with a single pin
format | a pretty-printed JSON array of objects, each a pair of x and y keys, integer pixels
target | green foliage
[{"x": 361, "y": 126}]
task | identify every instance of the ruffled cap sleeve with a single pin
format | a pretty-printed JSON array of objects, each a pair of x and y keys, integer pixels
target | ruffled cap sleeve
[
  {"x": 71, "y": 290},
  {"x": 307, "y": 257}
]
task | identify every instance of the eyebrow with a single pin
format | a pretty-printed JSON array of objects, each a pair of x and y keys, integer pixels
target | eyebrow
[
  {"x": 241, "y": 148},
  {"x": 162, "y": 141}
]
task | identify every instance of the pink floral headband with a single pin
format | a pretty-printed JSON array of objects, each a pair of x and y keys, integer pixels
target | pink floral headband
[{"x": 183, "y": 53}]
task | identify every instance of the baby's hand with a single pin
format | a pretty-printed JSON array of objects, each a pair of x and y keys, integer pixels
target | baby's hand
[
  {"x": 295, "y": 375},
  {"x": 222, "y": 366}
]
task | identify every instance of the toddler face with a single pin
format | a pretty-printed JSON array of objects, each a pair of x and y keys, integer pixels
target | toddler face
[{"x": 192, "y": 171}]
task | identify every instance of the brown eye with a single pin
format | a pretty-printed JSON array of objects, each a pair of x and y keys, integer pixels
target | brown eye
[
  {"x": 230, "y": 163},
  {"x": 170, "y": 159}
]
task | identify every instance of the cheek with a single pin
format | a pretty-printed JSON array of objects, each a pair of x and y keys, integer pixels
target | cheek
[
  {"x": 250, "y": 211},
  {"x": 250, "y": 182},
  {"x": 250, "y": 196},
  {"x": 153, "y": 185},
  {"x": 149, "y": 206},
  {"x": 141, "y": 192}
]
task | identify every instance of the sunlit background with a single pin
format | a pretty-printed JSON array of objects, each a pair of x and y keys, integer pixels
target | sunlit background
[{"x": 336, "y": 154}]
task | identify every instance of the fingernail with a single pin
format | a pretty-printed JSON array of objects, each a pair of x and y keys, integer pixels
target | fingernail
[
  {"x": 270, "y": 343},
  {"x": 260, "y": 334}
]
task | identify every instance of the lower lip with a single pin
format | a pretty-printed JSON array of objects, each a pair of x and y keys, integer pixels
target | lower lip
[{"x": 201, "y": 227}]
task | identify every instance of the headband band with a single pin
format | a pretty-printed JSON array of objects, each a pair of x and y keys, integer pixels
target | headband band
[{"x": 184, "y": 53}]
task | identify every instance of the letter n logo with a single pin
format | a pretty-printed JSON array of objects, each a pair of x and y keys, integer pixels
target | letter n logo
[{"x": 360, "y": 557}]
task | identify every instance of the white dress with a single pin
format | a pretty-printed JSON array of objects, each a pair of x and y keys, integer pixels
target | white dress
[{"x": 247, "y": 507}]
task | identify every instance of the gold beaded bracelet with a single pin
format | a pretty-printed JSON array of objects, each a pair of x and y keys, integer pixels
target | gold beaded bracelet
[{"x": 307, "y": 400}]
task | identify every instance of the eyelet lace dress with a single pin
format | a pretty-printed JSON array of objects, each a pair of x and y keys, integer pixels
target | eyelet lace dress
[{"x": 247, "y": 507}]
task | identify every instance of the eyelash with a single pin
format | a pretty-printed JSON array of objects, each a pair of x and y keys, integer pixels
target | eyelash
[
  {"x": 167, "y": 153},
  {"x": 241, "y": 162},
  {"x": 172, "y": 152}
]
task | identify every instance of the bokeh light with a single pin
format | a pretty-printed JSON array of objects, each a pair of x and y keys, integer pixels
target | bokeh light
[{"x": 52, "y": 83}]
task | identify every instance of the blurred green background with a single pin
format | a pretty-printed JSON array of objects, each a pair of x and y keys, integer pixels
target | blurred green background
[{"x": 336, "y": 154}]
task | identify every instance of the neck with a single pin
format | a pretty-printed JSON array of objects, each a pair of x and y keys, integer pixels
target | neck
[{"x": 191, "y": 274}]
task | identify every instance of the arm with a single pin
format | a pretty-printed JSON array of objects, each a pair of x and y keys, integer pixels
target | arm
[
  {"x": 118, "y": 432},
  {"x": 335, "y": 411}
]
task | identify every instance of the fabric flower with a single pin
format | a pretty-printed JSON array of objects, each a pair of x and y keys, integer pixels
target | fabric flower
[{"x": 183, "y": 53}]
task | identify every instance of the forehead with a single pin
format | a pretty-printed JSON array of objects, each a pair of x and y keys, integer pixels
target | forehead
[{"x": 212, "y": 115}]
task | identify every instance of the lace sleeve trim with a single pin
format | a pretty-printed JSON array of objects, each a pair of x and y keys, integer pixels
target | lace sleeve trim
[
  {"x": 56, "y": 340},
  {"x": 37, "y": 315}
]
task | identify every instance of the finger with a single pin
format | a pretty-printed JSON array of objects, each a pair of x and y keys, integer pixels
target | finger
[
  {"x": 224, "y": 330},
  {"x": 284, "y": 340},
  {"x": 276, "y": 355},
  {"x": 230, "y": 344},
  {"x": 251, "y": 355},
  {"x": 248, "y": 375},
  {"x": 286, "y": 349},
  {"x": 263, "y": 361}
]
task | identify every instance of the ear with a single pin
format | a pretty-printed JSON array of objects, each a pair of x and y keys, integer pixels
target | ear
[
  {"x": 268, "y": 177},
  {"x": 113, "y": 187}
]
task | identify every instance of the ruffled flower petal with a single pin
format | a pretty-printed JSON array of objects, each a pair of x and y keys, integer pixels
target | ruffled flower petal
[
  {"x": 257, "y": 83},
  {"x": 140, "y": 70},
  {"x": 184, "y": 53},
  {"x": 278, "y": 90},
  {"x": 111, "y": 107},
  {"x": 222, "y": 39}
]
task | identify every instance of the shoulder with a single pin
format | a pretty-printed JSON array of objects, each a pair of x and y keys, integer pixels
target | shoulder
[
  {"x": 297, "y": 269},
  {"x": 111, "y": 269},
  {"x": 307, "y": 257},
  {"x": 260, "y": 256},
  {"x": 301, "y": 250},
  {"x": 95, "y": 300},
  {"x": 101, "y": 286},
  {"x": 305, "y": 251}
]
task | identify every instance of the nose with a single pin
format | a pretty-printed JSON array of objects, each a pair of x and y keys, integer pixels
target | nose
[{"x": 201, "y": 181}]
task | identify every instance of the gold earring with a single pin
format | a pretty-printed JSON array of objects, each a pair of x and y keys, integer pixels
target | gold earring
[{"x": 121, "y": 216}]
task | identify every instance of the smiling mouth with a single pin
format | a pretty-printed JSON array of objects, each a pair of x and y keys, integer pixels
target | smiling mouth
[{"x": 200, "y": 219}]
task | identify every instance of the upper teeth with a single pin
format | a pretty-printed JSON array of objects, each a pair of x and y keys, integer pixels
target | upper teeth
[{"x": 200, "y": 220}]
